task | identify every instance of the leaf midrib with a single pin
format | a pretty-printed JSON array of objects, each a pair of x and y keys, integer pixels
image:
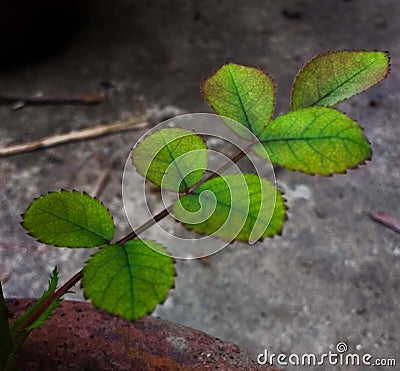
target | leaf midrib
[
  {"x": 324, "y": 137},
  {"x": 231, "y": 207},
  {"x": 187, "y": 186},
  {"x": 126, "y": 254},
  {"x": 342, "y": 84},
  {"x": 240, "y": 100},
  {"x": 74, "y": 223}
]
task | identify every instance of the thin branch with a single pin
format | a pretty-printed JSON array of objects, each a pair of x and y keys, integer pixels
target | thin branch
[
  {"x": 165, "y": 212},
  {"x": 134, "y": 123},
  {"x": 94, "y": 98},
  {"x": 103, "y": 179},
  {"x": 78, "y": 276},
  {"x": 57, "y": 294},
  {"x": 130, "y": 236},
  {"x": 144, "y": 227},
  {"x": 20, "y": 333}
]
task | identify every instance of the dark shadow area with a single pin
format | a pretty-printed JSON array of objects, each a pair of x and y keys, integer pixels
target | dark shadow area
[{"x": 31, "y": 30}]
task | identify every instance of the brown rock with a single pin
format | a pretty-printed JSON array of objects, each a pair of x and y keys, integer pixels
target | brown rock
[{"x": 79, "y": 336}]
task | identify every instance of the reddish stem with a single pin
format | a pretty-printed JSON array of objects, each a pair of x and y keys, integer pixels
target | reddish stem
[
  {"x": 57, "y": 294},
  {"x": 161, "y": 215}
]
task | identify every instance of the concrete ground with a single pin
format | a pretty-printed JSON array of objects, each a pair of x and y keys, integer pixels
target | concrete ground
[{"x": 332, "y": 276}]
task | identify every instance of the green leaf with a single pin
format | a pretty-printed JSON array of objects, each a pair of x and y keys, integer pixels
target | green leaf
[
  {"x": 130, "y": 279},
  {"x": 244, "y": 94},
  {"x": 18, "y": 325},
  {"x": 37, "y": 314},
  {"x": 173, "y": 158},
  {"x": 315, "y": 140},
  {"x": 69, "y": 219},
  {"x": 335, "y": 76},
  {"x": 243, "y": 207}
]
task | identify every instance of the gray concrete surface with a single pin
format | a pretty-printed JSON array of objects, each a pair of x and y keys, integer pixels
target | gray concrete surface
[{"x": 332, "y": 276}]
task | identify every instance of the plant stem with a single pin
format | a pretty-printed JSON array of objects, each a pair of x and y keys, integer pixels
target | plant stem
[
  {"x": 5, "y": 335},
  {"x": 144, "y": 227},
  {"x": 165, "y": 212},
  {"x": 224, "y": 167},
  {"x": 57, "y": 294},
  {"x": 20, "y": 333},
  {"x": 68, "y": 285},
  {"x": 130, "y": 236},
  {"x": 78, "y": 276}
]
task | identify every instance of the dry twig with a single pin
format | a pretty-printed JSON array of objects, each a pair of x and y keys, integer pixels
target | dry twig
[
  {"x": 94, "y": 98},
  {"x": 103, "y": 179},
  {"x": 134, "y": 123}
]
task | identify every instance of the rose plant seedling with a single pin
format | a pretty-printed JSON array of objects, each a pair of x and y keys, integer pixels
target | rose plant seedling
[{"x": 131, "y": 276}]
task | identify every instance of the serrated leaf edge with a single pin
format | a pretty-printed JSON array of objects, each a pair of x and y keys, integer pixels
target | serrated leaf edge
[
  {"x": 147, "y": 312},
  {"x": 248, "y": 66},
  {"x": 336, "y": 51},
  {"x": 52, "y": 286},
  {"x": 356, "y": 166},
  {"x": 242, "y": 241},
  {"x": 60, "y": 246},
  {"x": 146, "y": 135}
]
